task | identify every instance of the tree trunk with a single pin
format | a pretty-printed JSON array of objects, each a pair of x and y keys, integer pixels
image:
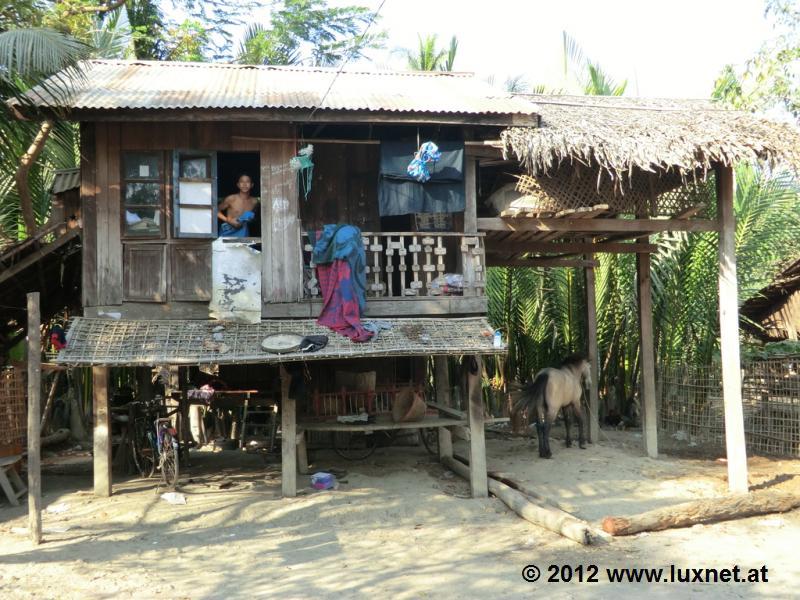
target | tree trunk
[
  {"x": 703, "y": 511},
  {"x": 25, "y": 164}
]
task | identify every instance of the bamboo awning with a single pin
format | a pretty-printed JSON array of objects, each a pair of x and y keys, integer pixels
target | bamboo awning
[{"x": 109, "y": 342}]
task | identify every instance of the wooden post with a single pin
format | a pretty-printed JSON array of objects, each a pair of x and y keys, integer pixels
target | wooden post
[
  {"x": 729, "y": 335},
  {"x": 102, "y": 432},
  {"x": 288, "y": 438},
  {"x": 302, "y": 453},
  {"x": 470, "y": 221},
  {"x": 592, "y": 354},
  {"x": 34, "y": 411},
  {"x": 647, "y": 362},
  {"x": 478, "y": 479},
  {"x": 442, "y": 381}
]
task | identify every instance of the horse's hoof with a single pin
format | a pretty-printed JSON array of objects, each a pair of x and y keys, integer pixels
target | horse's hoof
[
  {"x": 569, "y": 444},
  {"x": 583, "y": 446},
  {"x": 546, "y": 455}
]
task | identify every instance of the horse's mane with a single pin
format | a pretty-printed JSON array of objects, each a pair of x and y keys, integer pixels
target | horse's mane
[{"x": 573, "y": 360}]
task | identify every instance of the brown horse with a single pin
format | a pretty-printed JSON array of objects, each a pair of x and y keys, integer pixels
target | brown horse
[{"x": 552, "y": 390}]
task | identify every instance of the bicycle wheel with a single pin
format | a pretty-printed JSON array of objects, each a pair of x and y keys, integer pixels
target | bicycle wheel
[
  {"x": 169, "y": 461},
  {"x": 144, "y": 456},
  {"x": 430, "y": 439},
  {"x": 354, "y": 445}
]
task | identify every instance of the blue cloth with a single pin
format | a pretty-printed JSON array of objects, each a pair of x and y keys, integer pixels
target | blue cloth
[
  {"x": 228, "y": 230},
  {"x": 341, "y": 270}
]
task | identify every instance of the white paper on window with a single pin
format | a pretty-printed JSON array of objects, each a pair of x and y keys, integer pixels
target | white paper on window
[
  {"x": 195, "y": 220},
  {"x": 195, "y": 192}
]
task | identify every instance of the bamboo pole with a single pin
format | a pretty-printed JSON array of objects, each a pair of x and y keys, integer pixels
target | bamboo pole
[{"x": 34, "y": 412}]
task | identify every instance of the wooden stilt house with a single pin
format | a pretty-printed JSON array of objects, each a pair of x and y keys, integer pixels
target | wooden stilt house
[{"x": 163, "y": 144}]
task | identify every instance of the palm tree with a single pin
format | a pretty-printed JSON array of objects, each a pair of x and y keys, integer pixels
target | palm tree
[
  {"x": 430, "y": 58},
  {"x": 29, "y": 152}
]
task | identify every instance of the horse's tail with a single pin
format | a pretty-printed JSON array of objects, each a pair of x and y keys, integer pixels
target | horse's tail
[{"x": 533, "y": 396}]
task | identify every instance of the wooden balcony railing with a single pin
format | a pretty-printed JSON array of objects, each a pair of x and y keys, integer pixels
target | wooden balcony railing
[{"x": 412, "y": 265}]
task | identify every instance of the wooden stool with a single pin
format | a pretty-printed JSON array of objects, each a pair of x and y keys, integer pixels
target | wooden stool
[{"x": 9, "y": 478}]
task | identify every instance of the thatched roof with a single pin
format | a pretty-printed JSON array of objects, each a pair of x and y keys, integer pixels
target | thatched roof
[{"x": 622, "y": 134}]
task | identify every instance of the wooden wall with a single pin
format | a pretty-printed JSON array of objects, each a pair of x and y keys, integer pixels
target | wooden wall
[
  {"x": 344, "y": 188},
  {"x": 117, "y": 270}
]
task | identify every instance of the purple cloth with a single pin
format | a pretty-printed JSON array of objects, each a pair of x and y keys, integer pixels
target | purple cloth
[{"x": 341, "y": 270}]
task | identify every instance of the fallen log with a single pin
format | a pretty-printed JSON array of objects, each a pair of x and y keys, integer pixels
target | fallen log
[
  {"x": 62, "y": 435},
  {"x": 527, "y": 490},
  {"x": 703, "y": 511},
  {"x": 555, "y": 520}
]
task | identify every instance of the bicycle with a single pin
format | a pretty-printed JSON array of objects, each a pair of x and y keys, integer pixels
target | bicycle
[
  {"x": 168, "y": 450},
  {"x": 138, "y": 441},
  {"x": 143, "y": 443}
]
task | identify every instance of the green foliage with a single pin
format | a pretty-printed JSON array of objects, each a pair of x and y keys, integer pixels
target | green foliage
[
  {"x": 771, "y": 77},
  {"x": 188, "y": 41},
  {"x": 310, "y": 32},
  {"x": 769, "y": 350},
  {"x": 28, "y": 57},
  {"x": 428, "y": 57},
  {"x": 19, "y": 13}
]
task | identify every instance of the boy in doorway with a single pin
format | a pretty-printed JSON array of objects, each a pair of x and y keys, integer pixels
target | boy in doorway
[{"x": 237, "y": 210}]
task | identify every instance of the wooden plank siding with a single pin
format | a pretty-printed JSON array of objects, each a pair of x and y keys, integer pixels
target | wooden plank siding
[
  {"x": 282, "y": 263},
  {"x": 142, "y": 261},
  {"x": 88, "y": 216},
  {"x": 190, "y": 273},
  {"x": 111, "y": 263}
]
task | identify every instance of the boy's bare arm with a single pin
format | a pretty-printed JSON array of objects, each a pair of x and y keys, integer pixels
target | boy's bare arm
[{"x": 222, "y": 208}]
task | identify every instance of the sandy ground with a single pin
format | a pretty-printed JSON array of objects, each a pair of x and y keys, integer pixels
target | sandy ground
[{"x": 400, "y": 527}]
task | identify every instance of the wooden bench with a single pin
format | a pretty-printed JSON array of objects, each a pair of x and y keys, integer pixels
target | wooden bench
[{"x": 9, "y": 478}]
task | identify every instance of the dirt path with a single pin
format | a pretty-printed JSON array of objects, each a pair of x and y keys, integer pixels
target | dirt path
[{"x": 400, "y": 527}]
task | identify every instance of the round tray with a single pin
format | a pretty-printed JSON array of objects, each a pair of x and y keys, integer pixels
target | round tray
[{"x": 281, "y": 343}]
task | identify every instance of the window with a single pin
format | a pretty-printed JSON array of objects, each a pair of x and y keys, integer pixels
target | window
[
  {"x": 195, "y": 197},
  {"x": 143, "y": 195}
]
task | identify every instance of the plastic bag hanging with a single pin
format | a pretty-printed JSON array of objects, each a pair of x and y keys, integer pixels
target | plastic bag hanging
[
  {"x": 304, "y": 166},
  {"x": 428, "y": 153}
]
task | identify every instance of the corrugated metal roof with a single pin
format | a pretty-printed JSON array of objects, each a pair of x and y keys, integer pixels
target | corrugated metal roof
[
  {"x": 65, "y": 180},
  {"x": 174, "y": 85}
]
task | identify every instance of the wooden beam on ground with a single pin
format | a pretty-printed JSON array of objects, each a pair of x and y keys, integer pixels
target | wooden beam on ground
[
  {"x": 102, "y": 432},
  {"x": 550, "y": 518},
  {"x": 641, "y": 226},
  {"x": 568, "y": 247},
  {"x": 288, "y": 438},
  {"x": 593, "y": 420},
  {"x": 729, "y": 335},
  {"x": 539, "y": 261},
  {"x": 34, "y": 410},
  {"x": 647, "y": 361},
  {"x": 737, "y": 506},
  {"x": 477, "y": 442}
]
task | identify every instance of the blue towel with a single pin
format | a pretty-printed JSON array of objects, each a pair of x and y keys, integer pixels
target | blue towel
[{"x": 228, "y": 230}]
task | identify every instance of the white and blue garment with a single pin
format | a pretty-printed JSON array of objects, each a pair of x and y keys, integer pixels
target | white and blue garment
[{"x": 427, "y": 154}]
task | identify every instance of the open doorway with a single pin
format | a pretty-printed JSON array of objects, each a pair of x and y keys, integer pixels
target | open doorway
[{"x": 232, "y": 165}]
